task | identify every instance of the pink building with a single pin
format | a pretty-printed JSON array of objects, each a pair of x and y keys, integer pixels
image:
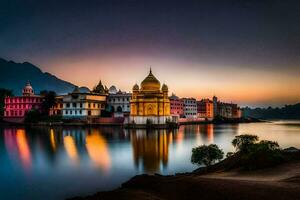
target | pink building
[
  {"x": 176, "y": 106},
  {"x": 16, "y": 107}
]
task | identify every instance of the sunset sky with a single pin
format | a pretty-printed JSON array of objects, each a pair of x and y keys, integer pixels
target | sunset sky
[{"x": 242, "y": 51}]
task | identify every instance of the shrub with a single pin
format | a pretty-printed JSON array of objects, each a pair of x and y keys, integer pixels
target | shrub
[
  {"x": 206, "y": 155},
  {"x": 244, "y": 142},
  {"x": 261, "y": 155}
]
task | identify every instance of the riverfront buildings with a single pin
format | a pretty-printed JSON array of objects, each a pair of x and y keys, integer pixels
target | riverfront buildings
[
  {"x": 205, "y": 109},
  {"x": 176, "y": 106},
  {"x": 83, "y": 105},
  {"x": 150, "y": 103},
  {"x": 147, "y": 104},
  {"x": 226, "y": 110},
  {"x": 118, "y": 101},
  {"x": 16, "y": 107},
  {"x": 189, "y": 107}
]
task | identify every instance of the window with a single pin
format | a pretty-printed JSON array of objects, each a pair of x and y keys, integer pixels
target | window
[
  {"x": 89, "y": 105},
  {"x": 80, "y": 111},
  {"x": 67, "y": 112},
  {"x": 80, "y": 105},
  {"x": 74, "y": 105},
  {"x": 68, "y": 105}
]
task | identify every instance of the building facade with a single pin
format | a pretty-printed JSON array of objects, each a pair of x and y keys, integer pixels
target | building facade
[
  {"x": 205, "y": 109},
  {"x": 176, "y": 106},
  {"x": 16, "y": 107},
  {"x": 118, "y": 101},
  {"x": 150, "y": 103},
  {"x": 58, "y": 106},
  {"x": 189, "y": 107},
  {"x": 226, "y": 110},
  {"x": 83, "y": 105}
]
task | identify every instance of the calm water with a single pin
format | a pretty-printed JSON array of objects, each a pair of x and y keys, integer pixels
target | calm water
[{"x": 65, "y": 162}]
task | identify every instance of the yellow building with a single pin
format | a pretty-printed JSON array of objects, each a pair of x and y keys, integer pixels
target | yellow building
[{"x": 150, "y": 103}]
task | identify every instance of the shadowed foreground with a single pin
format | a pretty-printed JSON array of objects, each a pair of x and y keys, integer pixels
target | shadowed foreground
[{"x": 277, "y": 183}]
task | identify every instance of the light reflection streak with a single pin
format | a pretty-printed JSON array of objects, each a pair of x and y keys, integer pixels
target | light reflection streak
[
  {"x": 98, "y": 151},
  {"x": 24, "y": 150}
]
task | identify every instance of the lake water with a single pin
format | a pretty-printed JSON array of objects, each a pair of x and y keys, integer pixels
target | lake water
[{"x": 44, "y": 163}]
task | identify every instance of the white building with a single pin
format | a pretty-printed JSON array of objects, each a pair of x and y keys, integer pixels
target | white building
[
  {"x": 83, "y": 105},
  {"x": 189, "y": 107},
  {"x": 119, "y": 101}
]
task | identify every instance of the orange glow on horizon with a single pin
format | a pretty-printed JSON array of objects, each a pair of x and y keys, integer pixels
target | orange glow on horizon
[{"x": 185, "y": 78}]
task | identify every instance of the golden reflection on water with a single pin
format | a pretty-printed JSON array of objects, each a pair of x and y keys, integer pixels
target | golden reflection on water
[
  {"x": 70, "y": 147},
  {"x": 52, "y": 139},
  {"x": 150, "y": 149},
  {"x": 23, "y": 147},
  {"x": 97, "y": 149}
]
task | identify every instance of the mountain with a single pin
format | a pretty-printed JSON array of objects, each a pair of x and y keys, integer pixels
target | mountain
[
  {"x": 286, "y": 112},
  {"x": 14, "y": 76}
]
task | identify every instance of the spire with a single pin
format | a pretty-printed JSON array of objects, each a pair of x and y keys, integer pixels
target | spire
[{"x": 150, "y": 70}]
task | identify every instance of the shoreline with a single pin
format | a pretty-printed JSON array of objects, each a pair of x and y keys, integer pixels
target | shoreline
[
  {"x": 129, "y": 126},
  {"x": 278, "y": 182}
]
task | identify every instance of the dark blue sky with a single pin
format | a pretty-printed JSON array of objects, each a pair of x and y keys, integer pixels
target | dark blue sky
[{"x": 224, "y": 35}]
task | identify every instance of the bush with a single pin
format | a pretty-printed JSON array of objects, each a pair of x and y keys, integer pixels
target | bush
[
  {"x": 33, "y": 116},
  {"x": 261, "y": 155},
  {"x": 206, "y": 155},
  {"x": 243, "y": 142}
]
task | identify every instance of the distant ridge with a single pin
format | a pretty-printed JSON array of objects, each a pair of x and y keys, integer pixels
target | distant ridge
[
  {"x": 286, "y": 112},
  {"x": 14, "y": 76}
]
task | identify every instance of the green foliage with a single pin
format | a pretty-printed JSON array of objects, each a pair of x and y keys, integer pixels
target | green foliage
[
  {"x": 261, "y": 155},
  {"x": 33, "y": 116},
  {"x": 206, "y": 155},
  {"x": 243, "y": 142},
  {"x": 286, "y": 112},
  {"x": 48, "y": 101},
  {"x": 4, "y": 93}
]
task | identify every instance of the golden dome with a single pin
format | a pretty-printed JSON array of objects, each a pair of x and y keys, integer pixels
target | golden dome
[
  {"x": 164, "y": 87},
  {"x": 150, "y": 83},
  {"x": 135, "y": 87}
]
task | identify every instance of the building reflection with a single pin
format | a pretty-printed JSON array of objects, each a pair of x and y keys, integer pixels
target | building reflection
[
  {"x": 150, "y": 149},
  {"x": 207, "y": 130},
  {"x": 97, "y": 149},
  {"x": 70, "y": 147},
  {"x": 17, "y": 146}
]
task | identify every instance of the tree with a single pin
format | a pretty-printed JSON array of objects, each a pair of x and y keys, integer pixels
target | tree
[
  {"x": 48, "y": 102},
  {"x": 206, "y": 155},
  {"x": 4, "y": 93},
  {"x": 263, "y": 154},
  {"x": 243, "y": 142}
]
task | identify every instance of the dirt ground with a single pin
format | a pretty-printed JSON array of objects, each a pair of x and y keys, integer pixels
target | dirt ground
[{"x": 282, "y": 182}]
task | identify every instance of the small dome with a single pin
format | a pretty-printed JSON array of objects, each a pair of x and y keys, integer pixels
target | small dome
[
  {"x": 136, "y": 87},
  {"x": 112, "y": 90},
  {"x": 28, "y": 90},
  {"x": 150, "y": 83},
  {"x": 76, "y": 90},
  {"x": 164, "y": 87}
]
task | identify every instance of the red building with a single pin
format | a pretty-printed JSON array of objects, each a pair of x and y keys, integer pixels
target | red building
[
  {"x": 176, "y": 105},
  {"x": 16, "y": 107},
  {"x": 205, "y": 109}
]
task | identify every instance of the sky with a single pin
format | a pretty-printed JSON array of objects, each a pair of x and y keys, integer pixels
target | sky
[{"x": 242, "y": 51}]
